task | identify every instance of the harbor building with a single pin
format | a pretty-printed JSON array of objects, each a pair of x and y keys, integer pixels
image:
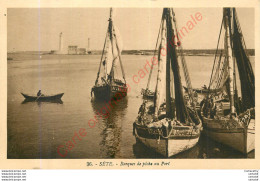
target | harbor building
[
  {"x": 72, "y": 49},
  {"x": 82, "y": 51}
]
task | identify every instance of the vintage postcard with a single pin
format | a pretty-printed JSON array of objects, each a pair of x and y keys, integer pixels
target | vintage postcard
[{"x": 129, "y": 85}]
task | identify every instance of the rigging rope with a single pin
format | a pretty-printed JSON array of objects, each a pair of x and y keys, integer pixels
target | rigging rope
[
  {"x": 214, "y": 79},
  {"x": 155, "y": 50},
  {"x": 101, "y": 59},
  {"x": 119, "y": 54},
  {"x": 210, "y": 82},
  {"x": 184, "y": 65}
]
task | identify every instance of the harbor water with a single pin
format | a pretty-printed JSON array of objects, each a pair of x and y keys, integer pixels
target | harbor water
[{"x": 38, "y": 129}]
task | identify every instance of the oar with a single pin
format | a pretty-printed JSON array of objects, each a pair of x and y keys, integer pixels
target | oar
[{"x": 38, "y": 97}]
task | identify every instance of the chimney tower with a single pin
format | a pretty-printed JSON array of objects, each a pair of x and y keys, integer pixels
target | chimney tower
[{"x": 61, "y": 43}]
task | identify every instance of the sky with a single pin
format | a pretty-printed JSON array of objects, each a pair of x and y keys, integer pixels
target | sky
[{"x": 37, "y": 29}]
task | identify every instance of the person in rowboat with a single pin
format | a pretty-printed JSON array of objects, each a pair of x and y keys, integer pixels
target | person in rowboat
[
  {"x": 204, "y": 87},
  {"x": 39, "y": 93}
]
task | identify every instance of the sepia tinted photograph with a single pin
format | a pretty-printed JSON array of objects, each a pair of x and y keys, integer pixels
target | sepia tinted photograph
[{"x": 131, "y": 83}]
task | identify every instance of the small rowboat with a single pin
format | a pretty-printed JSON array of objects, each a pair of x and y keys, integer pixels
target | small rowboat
[{"x": 43, "y": 97}]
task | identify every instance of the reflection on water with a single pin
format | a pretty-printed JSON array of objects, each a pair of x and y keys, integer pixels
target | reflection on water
[
  {"x": 58, "y": 101},
  {"x": 36, "y": 129},
  {"x": 110, "y": 124}
]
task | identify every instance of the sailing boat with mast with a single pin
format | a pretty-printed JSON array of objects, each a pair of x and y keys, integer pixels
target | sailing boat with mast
[
  {"x": 147, "y": 93},
  {"x": 228, "y": 118},
  {"x": 110, "y": 84},
  {"x": 169, "y": 124}
]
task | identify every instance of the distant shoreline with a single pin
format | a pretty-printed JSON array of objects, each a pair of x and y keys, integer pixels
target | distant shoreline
[{"x": 187, "y": 52}]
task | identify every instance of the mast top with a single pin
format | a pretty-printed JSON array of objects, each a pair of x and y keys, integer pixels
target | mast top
[
  {"x": 111, "y": 14},
  {"x": 227, "y": 12}
]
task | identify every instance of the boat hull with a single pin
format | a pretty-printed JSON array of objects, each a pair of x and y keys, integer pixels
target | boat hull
[
  {"x": 180, "y": 139},
  {"x": 43, "y": 98},
  {"x": 107, "y": 92},
  {"x": 241, "y": 139}
]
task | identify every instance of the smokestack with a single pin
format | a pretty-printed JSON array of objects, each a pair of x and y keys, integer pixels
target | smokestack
[
  {"x": 88, "y": 43},
  {"x": 61, "y": 43}
]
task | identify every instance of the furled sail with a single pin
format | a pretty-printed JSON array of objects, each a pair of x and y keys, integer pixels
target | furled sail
[
  {"x": 245, "y": 70},
  {"x": 111, "y": 55},
  {"x": 107, "y": 62},
  {"x": 169, "y": 74},
  {"x": 161, "y": 79},
  {"x": 181, "y": 109},
  {"x": 224, "y": 71}
]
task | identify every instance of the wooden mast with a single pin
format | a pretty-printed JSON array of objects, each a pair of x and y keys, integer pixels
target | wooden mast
[
  {"x": 113, "y": 39},
  {"x": 169, "y": 107},
  {"x": 111, "y": 33},
  {"x": 227, "y": 15}
]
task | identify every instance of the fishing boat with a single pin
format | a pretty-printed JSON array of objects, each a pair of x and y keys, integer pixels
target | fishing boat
[
  {"x": 110, "y": 84},
  {"x": 170, "y": 124},
  {"x": 203, "y": 90},
  {"x": 147, "y": 94},
  {"x": 42, "y": 97},
  {"x": 231, "y": 120}
]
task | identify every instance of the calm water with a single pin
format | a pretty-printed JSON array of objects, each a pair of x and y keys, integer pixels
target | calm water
[{"x": 35, "y": 130}]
